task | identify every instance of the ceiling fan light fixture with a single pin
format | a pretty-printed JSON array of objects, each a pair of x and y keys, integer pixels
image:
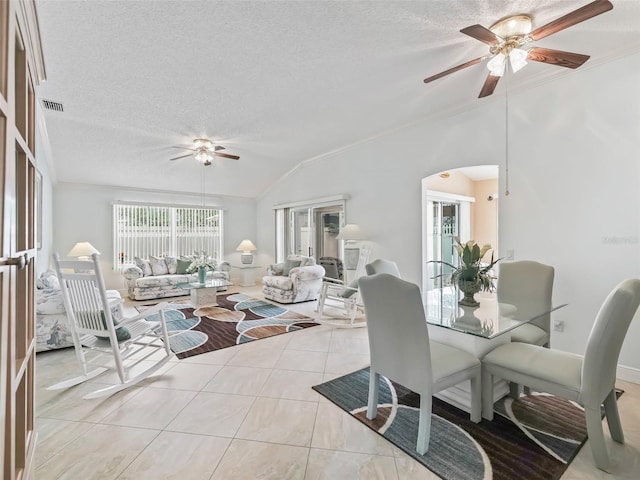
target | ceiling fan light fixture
[
  {"x": 202, "y": 144},
  {"x": 203, "y": 156},
  {"x": 518, "y": 59},
  {"x": 496, "y": 65},
  {"x": 515, "y": 25}
]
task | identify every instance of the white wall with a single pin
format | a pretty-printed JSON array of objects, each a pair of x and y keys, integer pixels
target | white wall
[
  {"x": 83, "y": 213},
  {"x": 43, "y": 164},
  {"x": 574, "y": 183}
]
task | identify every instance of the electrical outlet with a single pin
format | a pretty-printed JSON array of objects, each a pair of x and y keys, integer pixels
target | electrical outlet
[
  {"x": 558, "y": 325},
  {"x": 510, "y": 255}
]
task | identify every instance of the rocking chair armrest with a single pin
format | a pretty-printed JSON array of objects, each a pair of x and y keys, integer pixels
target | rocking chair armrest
[{"x": 146, "y": 313}]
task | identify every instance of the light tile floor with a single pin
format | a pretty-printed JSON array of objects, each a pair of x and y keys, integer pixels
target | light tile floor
[{"x": 245, "y": 412}]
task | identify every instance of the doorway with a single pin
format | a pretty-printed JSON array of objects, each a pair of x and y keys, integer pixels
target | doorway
[{"x": 459, "y": 203}]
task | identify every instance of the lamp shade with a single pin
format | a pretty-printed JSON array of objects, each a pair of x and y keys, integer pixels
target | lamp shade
[
  {"x": 82, "y": 249},
  {"x": 246, "y": 246},
  {"x": 350, "y": 232}
]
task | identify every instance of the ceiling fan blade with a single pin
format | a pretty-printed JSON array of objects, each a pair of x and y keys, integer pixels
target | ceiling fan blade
[
  {"x": 489, "y": 86},
  {"x": 557, "y": 57},
  {"x": 182, "y": 156},
  {"x": 183, "y": 147},
  {"x": 481, "y": 33},
  {"x": 226, "y": 155},
  {"x": 580, "y": 15},
  {"x": 453, "y": 69},
  {"x": 218, "y": 147}
]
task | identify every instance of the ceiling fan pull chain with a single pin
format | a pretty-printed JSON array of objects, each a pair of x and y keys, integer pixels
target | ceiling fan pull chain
[{"x": 506, "y": 149}]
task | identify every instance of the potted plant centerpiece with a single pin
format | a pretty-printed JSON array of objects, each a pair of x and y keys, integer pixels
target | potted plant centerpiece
[
  {"x": 201, "y": 263},
  {"x": 471, "y": 275}
]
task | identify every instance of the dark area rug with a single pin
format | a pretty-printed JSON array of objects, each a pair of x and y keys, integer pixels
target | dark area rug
[
  {"x": 532, "y": 438},
  {"x": 237, "y": 319}
]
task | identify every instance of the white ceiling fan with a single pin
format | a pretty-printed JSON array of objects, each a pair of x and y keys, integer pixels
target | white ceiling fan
[
  {"x": 203, "y": 151},
  {"x": 508, "y": 40}
]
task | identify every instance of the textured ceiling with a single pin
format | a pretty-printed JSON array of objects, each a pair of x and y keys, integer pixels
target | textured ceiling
[{"x": 276, "y": 82}]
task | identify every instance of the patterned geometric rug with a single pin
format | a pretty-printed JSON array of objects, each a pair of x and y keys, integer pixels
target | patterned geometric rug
[
  {"x": 237, "y": 319},
  {"x": 532, "y": 438}
]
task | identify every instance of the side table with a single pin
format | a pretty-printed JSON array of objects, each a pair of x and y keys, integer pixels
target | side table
[{"x": 247, "y": 274}]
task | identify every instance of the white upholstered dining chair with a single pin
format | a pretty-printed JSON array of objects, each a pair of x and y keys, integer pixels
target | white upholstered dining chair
[
  {"x": 590, "y": 381},
  {"x": 380, "y": 265},
  {"x": 401, "y": 351},
  {"x": 528, "y": 286}
]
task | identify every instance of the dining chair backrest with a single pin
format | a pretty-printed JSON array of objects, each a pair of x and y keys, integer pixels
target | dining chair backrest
[
  {"x": 398, "y": 335},
  {"x": 381, "y": 265},
  {"x": 528, "y": 285},
  {"x": 606, "y": 338}
]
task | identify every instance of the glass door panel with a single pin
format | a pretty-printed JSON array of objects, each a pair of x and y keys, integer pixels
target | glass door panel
[
  {"x": 301, "y": 231},
  {"x": 327, "y": 226},
  {"x": 444, "y": 224}
]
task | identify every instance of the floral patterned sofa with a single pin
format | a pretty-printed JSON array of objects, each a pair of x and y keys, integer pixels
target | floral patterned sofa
[
  {"x": 158, "y": 277},
  {"x": 298, "y": 279},
  {"x": 52, "y": 324}
]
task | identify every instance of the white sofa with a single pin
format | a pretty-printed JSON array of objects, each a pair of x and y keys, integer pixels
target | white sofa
[
  {"x": 158, "y": 277},
  {"x": 52, "y": 325},
  {"x": 298, "y": 279}
]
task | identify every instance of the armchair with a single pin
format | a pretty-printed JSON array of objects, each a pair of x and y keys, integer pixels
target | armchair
[{"x": 298, "y": 279}]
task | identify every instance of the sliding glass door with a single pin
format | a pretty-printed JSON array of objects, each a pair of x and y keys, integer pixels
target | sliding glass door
[{"x": 309, "y": 230}]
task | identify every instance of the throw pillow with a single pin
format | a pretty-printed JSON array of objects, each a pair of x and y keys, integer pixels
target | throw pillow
[
  {"x": 288, "y": 265},
  {"x": 158, "y": 265},
  {"x": 181, "y": 266},
  {"x": 172, "y": 264},
  {"x": 48, "y": 279},
  {"x": 143, "y": 265},
  {"x": 122, "y": 333}
]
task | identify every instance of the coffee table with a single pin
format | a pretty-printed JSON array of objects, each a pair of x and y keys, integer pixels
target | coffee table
[{"x": 205, "y": 294}]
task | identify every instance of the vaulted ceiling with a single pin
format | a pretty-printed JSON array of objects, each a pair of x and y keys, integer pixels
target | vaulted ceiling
[{"x": 275, "y": 82}]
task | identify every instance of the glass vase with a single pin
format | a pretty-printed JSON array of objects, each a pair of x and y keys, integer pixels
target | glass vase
[{"x": 202, "y": 275}]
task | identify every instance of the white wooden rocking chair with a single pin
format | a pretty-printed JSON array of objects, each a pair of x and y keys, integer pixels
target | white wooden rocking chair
[
  {"x": 339, "y": 300},
  {"x": 97, "y": 323}
]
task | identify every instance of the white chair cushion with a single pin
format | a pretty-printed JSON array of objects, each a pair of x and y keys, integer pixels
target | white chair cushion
[
  {"x": 529, "y": 333},
  {"x": 446, "y": 361},
  {"x": 552, "y": 367}
]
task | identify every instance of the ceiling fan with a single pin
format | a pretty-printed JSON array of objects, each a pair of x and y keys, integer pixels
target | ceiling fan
[
  {"x": 507, "y": 37},
  {"x": 204, "y": 150}
]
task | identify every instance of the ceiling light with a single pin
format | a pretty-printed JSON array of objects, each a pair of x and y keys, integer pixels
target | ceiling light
[
  {"x": 203, "y": 156},
  {"x": 518, "y": 59},
  {"x": 496, "y": 65},
  {"x": 514, "y": 25},
  {"x": 202, "y": 144}
]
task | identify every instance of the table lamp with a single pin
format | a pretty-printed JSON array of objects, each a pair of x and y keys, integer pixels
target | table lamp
[
  {"x": 82, "y": 250},
  {"x": 246, "y": 247},
  {"x": 350, "y": 233}
]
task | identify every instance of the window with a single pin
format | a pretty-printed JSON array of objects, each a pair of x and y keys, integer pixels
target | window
[{"x": 144, "y": 230}]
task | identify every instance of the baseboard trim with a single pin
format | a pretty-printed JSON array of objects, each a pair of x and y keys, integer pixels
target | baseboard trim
[{"x": 628, "y": 374}]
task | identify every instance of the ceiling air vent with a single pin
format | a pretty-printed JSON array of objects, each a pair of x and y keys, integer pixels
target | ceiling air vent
[{"x": 50, "y": 105}]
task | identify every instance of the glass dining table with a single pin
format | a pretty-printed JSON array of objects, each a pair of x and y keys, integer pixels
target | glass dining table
[{"x": 477, "y": 330}]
